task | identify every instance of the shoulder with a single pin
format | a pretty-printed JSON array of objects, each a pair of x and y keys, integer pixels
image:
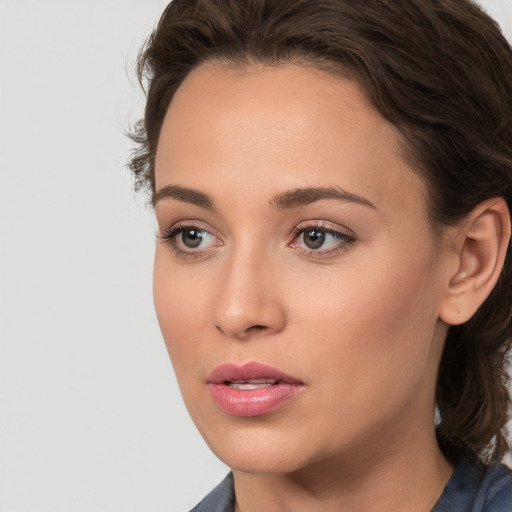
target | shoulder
[
  {"x": 221, "y": 499},
  {"x": 475, "y": 487},
  {"x": 498, "y": 490}
]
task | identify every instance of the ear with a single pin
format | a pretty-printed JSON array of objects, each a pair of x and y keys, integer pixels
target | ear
[{"x": 480, "y": 246}]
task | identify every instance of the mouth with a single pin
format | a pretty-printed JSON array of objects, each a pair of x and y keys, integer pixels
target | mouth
[
  {"x": 252, "y": 389},
  {"x": 251, "y": 384}
]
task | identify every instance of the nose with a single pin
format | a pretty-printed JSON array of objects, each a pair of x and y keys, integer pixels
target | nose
[{"x": 248, "y": 302}]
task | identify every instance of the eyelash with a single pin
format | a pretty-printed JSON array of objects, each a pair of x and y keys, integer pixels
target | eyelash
[{"x": 345, "y": 239}]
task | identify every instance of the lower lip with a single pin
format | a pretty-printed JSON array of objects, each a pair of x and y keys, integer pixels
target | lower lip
[{"x": 253, "y": 402}]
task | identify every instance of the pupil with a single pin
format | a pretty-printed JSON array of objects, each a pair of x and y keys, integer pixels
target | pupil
[
  {"x": 192, "y": 237},
  {"x": 314, "y": 239}
]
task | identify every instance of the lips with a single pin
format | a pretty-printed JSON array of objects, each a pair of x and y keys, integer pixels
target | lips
[{"x": 252, "y": 389}]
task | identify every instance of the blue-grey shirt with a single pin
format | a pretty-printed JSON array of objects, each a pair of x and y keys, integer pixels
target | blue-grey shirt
[{"x": 473, "y": 487}]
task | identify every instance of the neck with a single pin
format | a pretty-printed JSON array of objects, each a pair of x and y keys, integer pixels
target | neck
[{"x": 402, "y": 480}]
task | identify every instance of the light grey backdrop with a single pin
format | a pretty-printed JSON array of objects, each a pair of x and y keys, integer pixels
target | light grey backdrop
[{"x": 91, "y": 419}]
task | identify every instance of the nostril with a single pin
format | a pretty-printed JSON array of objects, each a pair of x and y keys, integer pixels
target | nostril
[{"x": 246, "y": 332}]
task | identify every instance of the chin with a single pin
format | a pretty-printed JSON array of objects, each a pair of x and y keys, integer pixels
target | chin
[
  {"x": 258, "y": 450},
  {"x": 261, "y": 462}
]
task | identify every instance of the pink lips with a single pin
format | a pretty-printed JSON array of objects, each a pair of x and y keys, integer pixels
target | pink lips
[{"x": 252, "y": 389}]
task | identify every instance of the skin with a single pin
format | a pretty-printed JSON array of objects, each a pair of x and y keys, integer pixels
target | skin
[{"x": 357, "y": 322}]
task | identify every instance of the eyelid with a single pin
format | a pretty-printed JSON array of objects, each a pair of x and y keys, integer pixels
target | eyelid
[
  {"x": 187, "y": 224},
  {"x": 325, "y": 225}
]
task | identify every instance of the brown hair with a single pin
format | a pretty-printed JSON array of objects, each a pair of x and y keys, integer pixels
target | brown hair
[{"x": 441, "y": 72}]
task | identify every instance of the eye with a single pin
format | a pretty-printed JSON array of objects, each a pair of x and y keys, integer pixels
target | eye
[
  {"x": 320, "y": 239},
  {"x": 314, "y": 238},
  {"x": 191, "y": 240}
]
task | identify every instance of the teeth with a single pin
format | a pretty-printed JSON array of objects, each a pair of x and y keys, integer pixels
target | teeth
[
  {"x": 240, "y": 385},
  {"x": 252, "y": 384}
]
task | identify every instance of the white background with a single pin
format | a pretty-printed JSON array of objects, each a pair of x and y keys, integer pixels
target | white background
[{"x": 91, "y": 417}]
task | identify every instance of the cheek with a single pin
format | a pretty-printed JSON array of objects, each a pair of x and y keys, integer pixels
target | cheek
[
  {"x": 181, "y": 313},
  {"x": 373, "y": 332}
]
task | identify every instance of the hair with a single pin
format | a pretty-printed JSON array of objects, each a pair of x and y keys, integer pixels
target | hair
[{"x": 441, "y": 72}]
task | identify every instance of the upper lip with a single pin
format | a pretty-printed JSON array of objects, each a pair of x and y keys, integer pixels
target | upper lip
[{"x": 231, "y": 372}]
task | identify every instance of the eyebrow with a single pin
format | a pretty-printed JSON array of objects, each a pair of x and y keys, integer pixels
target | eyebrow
[
  {"x": 305, "y": 196},
  {"x": 185, "y": 195},
  {"x": 283, "y": 201}
]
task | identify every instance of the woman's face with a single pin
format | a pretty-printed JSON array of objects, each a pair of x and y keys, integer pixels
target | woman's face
[{"x": 296, "y": 281}]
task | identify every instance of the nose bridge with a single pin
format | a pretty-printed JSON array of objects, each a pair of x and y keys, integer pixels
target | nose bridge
[{"x": 247, "y": 301}]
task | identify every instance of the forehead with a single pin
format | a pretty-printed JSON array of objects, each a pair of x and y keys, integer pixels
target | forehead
[
  {"x": 288, "y": 126},
  {"x": 255, "y": 103}
]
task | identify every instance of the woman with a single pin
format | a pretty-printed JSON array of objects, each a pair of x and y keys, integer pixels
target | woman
[{"x": 332, "y": 182}]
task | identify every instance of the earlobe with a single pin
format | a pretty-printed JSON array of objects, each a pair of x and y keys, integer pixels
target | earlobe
[{"x": 481, "y": 248}]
